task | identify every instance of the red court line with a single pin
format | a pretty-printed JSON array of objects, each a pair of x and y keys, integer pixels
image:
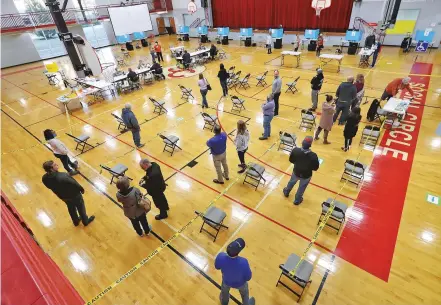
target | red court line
[
  {"x": 196, "y": 180},
  {"x": 281, "y": 171},
  {"x": 368, "y": 239},
  {"x": 21, "y": 71}
]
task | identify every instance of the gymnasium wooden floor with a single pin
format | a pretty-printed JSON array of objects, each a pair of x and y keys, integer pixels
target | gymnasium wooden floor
[{"x": 388, "y": 252}]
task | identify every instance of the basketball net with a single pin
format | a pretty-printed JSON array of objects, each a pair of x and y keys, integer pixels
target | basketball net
[{"x": 318, "y": 10}]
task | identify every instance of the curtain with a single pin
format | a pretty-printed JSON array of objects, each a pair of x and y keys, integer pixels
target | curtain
[{"x": 291, "y": 14}]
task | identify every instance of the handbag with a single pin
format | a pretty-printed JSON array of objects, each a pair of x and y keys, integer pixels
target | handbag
[
  {"x": 208, "y": 85},
  {"x": 145, "y": 203}
]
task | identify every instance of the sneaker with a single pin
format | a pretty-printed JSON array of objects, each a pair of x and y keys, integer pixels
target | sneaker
[
  {"x": 226, "y": 178},
  {"x": 326, "y": 142},
  {"x": 141, "y": 145},
  {"x": 312, "y": 109},
  {"x": 316, "y": 138},
  {"x": 263, "y": 138},
  {"x": 76, "y": 166},
  {"x": 77, "y": 223},
  {"x": 73, "y": 173},
  {"x": 285, "y": 193},
  {"x": 159, "y": 216},
  {"x": 150, "y": 230},
  {"x": 251, "y": 301},
  {"x": 241, "y": 171},
  {"x": 217, "y": 181},
  {"x": 91, "y": 218},
  {"x": 298, "y": 202},
  {"x": 344, "y": 149}
]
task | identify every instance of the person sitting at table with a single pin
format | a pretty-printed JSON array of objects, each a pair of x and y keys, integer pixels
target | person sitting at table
[
  {"x": 213, "y": 51},
  {"x": 200, "y": 47},
  {"x": 186, "y": 59},
  {"x": 132, "y": 77},
  {"x": 157, "y": 69},
  {"x": 141, "y": 64},
  {"x": 394, "y": 86}
]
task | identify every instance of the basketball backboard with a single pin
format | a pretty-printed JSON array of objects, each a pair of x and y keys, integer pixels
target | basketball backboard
[{"x": 319, "y": 5}]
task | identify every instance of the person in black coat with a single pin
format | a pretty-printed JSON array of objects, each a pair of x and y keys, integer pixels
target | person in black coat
[
  {"x": 154, "y": 183},
  {"x": 351, "y": 127},
  {"x": 223, "y": 76},
  {"x": 186, "y": 59},
  {"x": 67, "y": 189}
]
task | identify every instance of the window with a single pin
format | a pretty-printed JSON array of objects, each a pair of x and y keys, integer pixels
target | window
[
  {"x": 96, "y": 34},
  {"x": 47, "y": 43}
]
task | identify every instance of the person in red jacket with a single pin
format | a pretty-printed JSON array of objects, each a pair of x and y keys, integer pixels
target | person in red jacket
[
  {"x": 394, "y": 86},
  {"x": 158, "y": 51}
]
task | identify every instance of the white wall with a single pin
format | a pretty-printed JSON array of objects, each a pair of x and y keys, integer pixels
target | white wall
[
  {"x": 17, "y": 49},
  {"x": 430, "y": 12}
]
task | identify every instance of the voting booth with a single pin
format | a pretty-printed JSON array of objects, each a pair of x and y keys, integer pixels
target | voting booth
[
  {"x": 277, "y": 35},
  {"x": 423, "y": 39},
  {"x": 203, "y": 33},
  {"x": 223, "y": 34},
  {"x": 312, "y": 36},
  {"x": 246, "y": 35},
  {"x": 353, "y": 37},
  {"x": 184, "y": 32}
]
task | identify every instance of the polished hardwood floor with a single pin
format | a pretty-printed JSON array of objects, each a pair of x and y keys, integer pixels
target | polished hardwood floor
[{"x": 93, "y": 257}]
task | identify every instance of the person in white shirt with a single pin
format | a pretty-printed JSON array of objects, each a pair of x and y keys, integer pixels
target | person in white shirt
[
  {"x": 60, "y": 151},
  {"x": 242, "y": 139},
  {"x": 296, "y": 43},
  {"x": 269, "y": 42}
]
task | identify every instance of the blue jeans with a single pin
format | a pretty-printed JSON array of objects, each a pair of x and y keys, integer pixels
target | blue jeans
[
  {"x": 204, "y": 97},
  {"x": 136, "y": 137},
  {"x": 244, "y": 293},
  {"x": 302, "y": 186},
  {"x": 374, "y": 59},
  {"x": 342, "y": 107},
  {"x": 267, "y": 125},
  {"x": 224, "y": 87}
]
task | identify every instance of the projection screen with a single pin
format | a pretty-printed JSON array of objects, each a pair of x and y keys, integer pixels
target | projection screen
[{"x": 130, "y": 19}]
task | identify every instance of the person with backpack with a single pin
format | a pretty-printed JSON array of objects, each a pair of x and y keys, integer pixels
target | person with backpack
[
  {"x": 242, "y": 139},
  {"x": 316, "y": 86},
  {"x": 236, "y": 272},
  {"x": 204, "y": 86},
  {"x": 351, "y": 127},
  {"x": 223, "y": 76},
  {"x": 305, "y": 161},
  {"x": 131, "y": 122},
  {"x": 60, "y": 151},
  {"x": 130, "y": 196}
]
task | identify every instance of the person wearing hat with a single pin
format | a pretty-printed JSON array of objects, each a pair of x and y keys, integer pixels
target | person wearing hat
[
  {"x": 316, "y": 86},
  {"x": 394, "y": 86},
  {"x": 305, "y": 161},
  {"x": 236, "y": 272}
]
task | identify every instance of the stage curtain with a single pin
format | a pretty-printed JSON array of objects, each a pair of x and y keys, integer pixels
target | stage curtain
[{"x": 291, "y": 14}]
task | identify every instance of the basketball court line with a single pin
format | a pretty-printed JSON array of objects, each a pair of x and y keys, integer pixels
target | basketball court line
[
  {"x": 200, "y": 271},
  {"x": 199, "y": 181},
  {"x": 20, "y": 71}
]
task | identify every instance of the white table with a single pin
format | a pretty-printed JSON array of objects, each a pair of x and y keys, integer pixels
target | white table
[
  {"x": 123, "y": 77},
  {"x": 291, "y": 53},
  {"x": 196, "y": 53},
  {"x": 396, "y": 109},
  {"x": 99, "y": 84},
  {"x": 365, "y": 54},
  {"x": 175, "y": 50},
  {"x": 327, "y": 58}
]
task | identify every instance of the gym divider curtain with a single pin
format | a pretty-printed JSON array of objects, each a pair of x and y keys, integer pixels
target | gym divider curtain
[{"x": 291, "y": 14}]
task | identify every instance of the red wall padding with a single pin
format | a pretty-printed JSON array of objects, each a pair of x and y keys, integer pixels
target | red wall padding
[{"x": 291, "y": 14}]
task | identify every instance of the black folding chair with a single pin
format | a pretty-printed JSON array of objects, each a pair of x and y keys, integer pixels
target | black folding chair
[
  {"x": 261, "y": 79},
  {"x": 121, "y": 125},
  {"x": 292, "y": 86}
]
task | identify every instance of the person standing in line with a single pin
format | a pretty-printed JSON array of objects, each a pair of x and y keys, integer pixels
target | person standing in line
[
  {"x": 153, "y": 54},
  {"x": 268, "y": 114},
  {"x": 236, "y": 273},
  {"x": 316, "y": 86},
  {"x": 269, "y": 42},
  {"x": 376, "y": 53},
  {"x": 129, "y": 196},
  {"x": 276, "y": 90},
  {"x": 326, "y": 122},
  {"x": 218, "y": 149},
  {"x": 396, "y": 85},
  {"x": 158, "y": 51},
  {"x": 67, "y": 189},
  {"x": 242, "y": 139},
  {"x": 351, "y": 127},
  {"x": 60, "y": 151},
  {"x": 203, "y": 86},
  {"x": 320, "y": 45},
  {"x": 359, "y": 85},
  {"x": 223, "y": 76},
  {"x": 346, "y": 94},
  {"x": 154, "y": 183},
  {"x": 131, "y": 122},
  {"x": 296, "y": 43},
  {"x": 305, "y": 161}
]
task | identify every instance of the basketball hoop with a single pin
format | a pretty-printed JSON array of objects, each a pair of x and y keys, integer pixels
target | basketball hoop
[
  {"x": 191, "y": 7},
  {"x": 319, "y": 5}
]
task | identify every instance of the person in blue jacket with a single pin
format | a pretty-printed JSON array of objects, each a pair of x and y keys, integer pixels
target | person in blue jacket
[
  {"x": 236, "y": 273},
  {"x": 131, "y": 122}
]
